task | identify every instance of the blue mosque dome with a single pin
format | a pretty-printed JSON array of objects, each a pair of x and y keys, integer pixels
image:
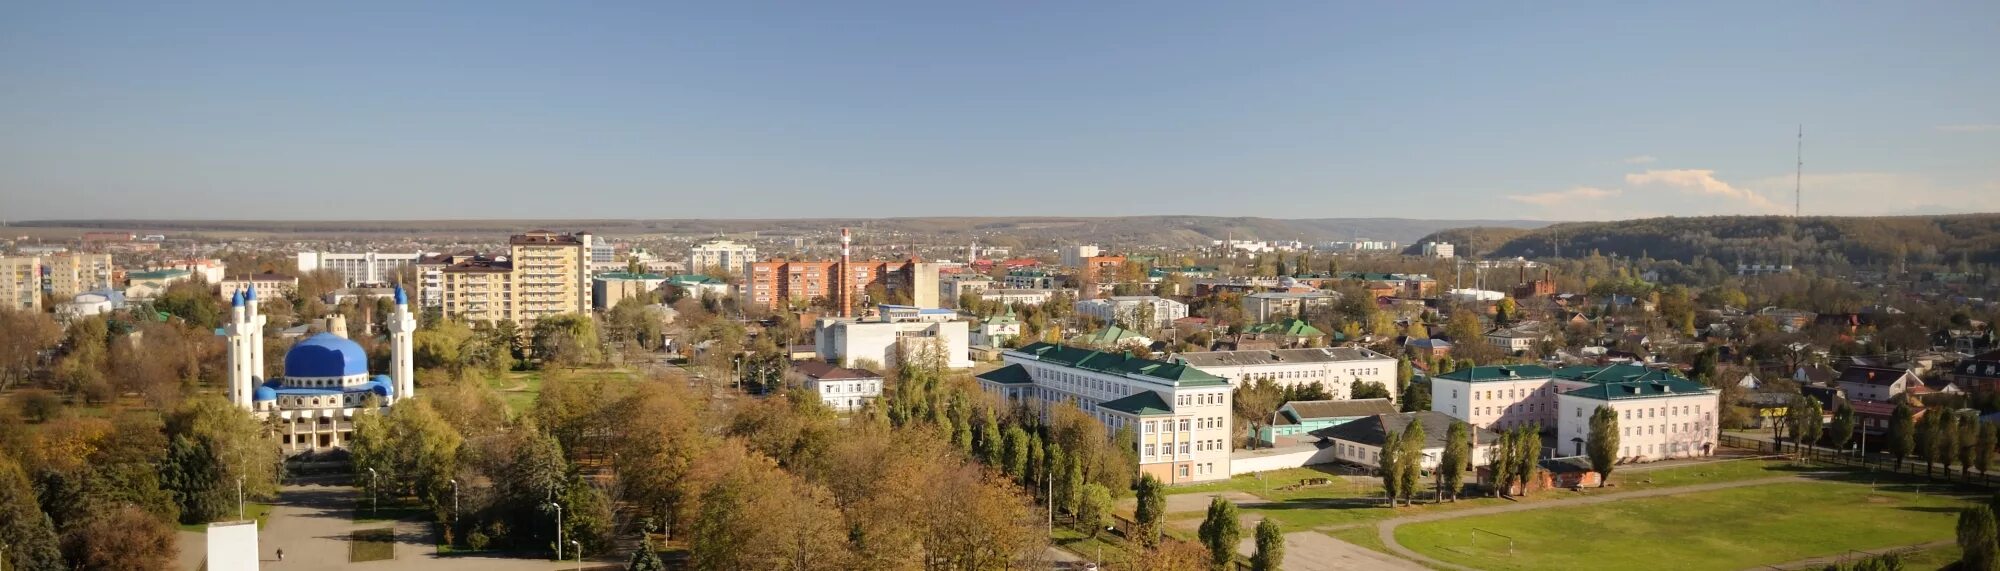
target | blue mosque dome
[
  {"x": 263, "y": 393},
  {"x": 325, "y": 355}
]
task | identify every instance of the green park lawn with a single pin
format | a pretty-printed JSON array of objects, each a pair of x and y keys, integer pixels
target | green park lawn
[
  {"x": 1351, "y": 501},
  {"x": 520, "y": 388},
  {"x": 371, "y": 545},
  {"x": 1724, "y": 529}
]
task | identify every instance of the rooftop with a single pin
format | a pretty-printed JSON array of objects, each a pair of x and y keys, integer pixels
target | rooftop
[
  {"x": 1318, "y": 409},
  {"x": 1278, "y": 356},
  {"x": 1498, "y": 373},
  {"x": 628, "y": 276},
  {"x": 1120, "y": 364},
  {"x": 1627, "y": 390},
  {"x": 1374, "y": 430},
  {"x": 1142, "y": 403},
  {"x": 828, "y": 371}
]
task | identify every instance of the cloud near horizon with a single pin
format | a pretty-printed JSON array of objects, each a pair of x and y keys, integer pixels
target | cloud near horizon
[
  {"x": 1555, "y": 198},
  {"x": 1641, "y": 159},
  {"x": 1702, "y": 181}
]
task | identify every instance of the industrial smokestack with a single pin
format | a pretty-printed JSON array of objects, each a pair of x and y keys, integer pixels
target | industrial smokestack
[{"x": 846, "y": 275}]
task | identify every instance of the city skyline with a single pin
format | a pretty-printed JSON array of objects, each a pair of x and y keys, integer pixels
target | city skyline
[{"x": 1276, "y": 110}]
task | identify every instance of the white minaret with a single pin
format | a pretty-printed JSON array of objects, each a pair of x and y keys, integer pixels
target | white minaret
[
  {"x": 254, "y": 320},
  {"x": 402, "y": 369},
  {"x": 235, "y": 333}
]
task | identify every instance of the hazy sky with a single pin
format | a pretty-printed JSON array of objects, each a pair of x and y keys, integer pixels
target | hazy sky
[{"x": 486, "y": 109}]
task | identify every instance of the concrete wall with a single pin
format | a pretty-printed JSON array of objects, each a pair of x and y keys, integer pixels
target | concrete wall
[{"x": 1268, "y": 459}]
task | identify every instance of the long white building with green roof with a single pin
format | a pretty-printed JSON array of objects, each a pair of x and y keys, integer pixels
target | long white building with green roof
[
  {"x": 1661, "y": 414},
  {"x": 1180, "y": 414}
]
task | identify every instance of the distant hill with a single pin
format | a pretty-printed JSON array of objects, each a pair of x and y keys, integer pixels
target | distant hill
[
  {"x": 1751, "y": 239},
  {"x": 1178, "y": 231}
]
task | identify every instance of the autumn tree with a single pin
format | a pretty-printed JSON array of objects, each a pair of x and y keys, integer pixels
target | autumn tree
[
  {"x": 1411, "y": 463},
  {"x": 213, "y": 442},
  {"x": 1389, "y": 463},
  {"x": 24, "y": 335},
  {"x": 1902, "y": 433},
  {"x": 1254, "y": 403},
  {"x": 1976, "y": 539},
  {"x": 125, "y": 537}
]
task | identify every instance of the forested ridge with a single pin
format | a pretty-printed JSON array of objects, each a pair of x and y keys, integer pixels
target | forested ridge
[{"x": 1970, "y": 238}]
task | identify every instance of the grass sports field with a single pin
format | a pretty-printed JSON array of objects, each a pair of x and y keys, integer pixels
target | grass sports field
[{"x": 1728, "y": 529}]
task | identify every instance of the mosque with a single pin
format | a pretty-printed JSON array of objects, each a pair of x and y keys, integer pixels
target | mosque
[{"x": 326, "y": 378}]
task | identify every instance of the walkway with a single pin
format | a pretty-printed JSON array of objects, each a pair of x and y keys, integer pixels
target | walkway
[
  {"x": 312, "y": 523},
  {"x": 1386, "y": 529}
]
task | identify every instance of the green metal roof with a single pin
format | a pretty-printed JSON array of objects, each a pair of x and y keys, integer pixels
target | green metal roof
[
  {"x": 1142, "y": 403},
  {"x": 1669, "y": 387},
  {"x": 1108, "y": 336},
  {"x": 628, "y": 276},
  {"x": 1498, "y": 373},
  {"x": 692, "y": 279},
  {"x": 1288, "y": 328},
  {"x": 1615, "y": 374},
  {"x": 1121, "y": 364},
  {"x": 1014, "y": 374}
]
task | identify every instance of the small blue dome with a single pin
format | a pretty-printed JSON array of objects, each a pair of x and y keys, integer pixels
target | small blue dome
[
  {"x": 325, "y": 355},
  {"x": 263, "y": 393},
  {"x": 401, "y": 298},
  {"x": 382, "y": 386}
]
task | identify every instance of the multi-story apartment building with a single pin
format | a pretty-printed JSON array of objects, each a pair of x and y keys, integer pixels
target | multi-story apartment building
[
  {"x": 1180, "y": 414},
  {"x": 726, "y": 254},
  {"x": 365, "y": 268},
  {"x": 1128, "y": 310},
  {"x": 551, "y": 274},
  {"x": 69, "y": 274},
  {"x": 1263, "y": 306},
  {"x": 1098, "y": 275},
  {"x": 1011, "y": 296},
  {"x": 1675, "y": 417},
  {"x": 1028, "y": 278},
  {"x": 777, "y": 282},
  {"x": 269, "y": 285},
  {"x": 21, "y": 283},
  {"x": 478, "y": 288},
  {"x": 951, "y": 288},
  {"x": 543, "y": 273},
  {"x": 430, "y": 275},
  {"x": 1335, "y": 368}
]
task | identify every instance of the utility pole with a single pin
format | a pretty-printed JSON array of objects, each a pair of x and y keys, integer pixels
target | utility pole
[{"x": 558, "y": 530}]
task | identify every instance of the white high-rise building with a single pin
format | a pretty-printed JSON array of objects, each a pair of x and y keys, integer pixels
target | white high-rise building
[
  {"x": 361, "y": 268},
  {"x": 727, "y": 254}
]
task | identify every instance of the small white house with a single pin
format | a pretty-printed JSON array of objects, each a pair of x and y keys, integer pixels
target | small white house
[{"x": 842, "y": 389}]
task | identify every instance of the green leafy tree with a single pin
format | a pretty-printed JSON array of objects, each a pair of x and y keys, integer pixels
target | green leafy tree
[
  {"x": 1404, "y": 372},
  {"x": 1389, "y": 463},
  {"x": 1499, "y": 462},
  {"x": 30, "y": 534},
  {"x": 1976, "y": 539},
  {"x": 1016, "y": 461},
  {"x": 1151, "y": 509},
  {"x": 1902, "y": 433},
  {"x": 1452, "y": 465},
  {"x": 1842, "y": 430},
  {"x": 1220, "y": 532},
  {"x": 1602, "y": 445},
  {"x": 1093, "y": 509},
  {"x": 1411, "y": 465},
  {"x": 1809, "y": 428},
  {"x": 644, "y": 559},
  {"x": 1527, "y": 454},
  {"x": 1982, "y": 451},
  {"x": 1270, "y": 547}
]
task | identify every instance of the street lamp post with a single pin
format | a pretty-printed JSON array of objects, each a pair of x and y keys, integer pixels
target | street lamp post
[
  {"x": 579, "y": 553},
  {"x": 373, "y": 503},
  {"x": 558, "y": 530},
  {"x": 454, "y": 500},
  {"x": 239, "y": 498}
]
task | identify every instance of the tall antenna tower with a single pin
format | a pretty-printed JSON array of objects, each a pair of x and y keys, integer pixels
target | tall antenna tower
[{"x": 1799, "y": 174}]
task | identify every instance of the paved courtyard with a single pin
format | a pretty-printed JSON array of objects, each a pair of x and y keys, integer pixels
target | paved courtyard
[{"x": 312, "y": 524}]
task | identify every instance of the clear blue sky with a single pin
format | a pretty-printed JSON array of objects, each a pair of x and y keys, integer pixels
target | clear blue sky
[{"x": 724, "y": 109}]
